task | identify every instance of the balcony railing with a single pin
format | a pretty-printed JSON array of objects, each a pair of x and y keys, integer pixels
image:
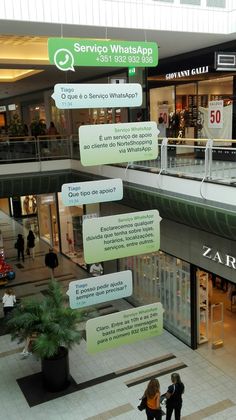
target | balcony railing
[{"x": 201, "y": 159}]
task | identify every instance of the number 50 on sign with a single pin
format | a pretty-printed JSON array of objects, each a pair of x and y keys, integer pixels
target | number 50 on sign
[{"x": 215, "y": 114}]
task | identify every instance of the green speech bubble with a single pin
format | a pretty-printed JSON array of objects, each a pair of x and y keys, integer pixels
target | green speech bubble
[
  {"x": 101, "y": 53},
  {"x": 124, "y": 327},
  {"x": 122, "y": 235}
]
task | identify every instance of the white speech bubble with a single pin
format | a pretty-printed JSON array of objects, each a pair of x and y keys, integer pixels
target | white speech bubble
[
  {"x": 76, "y": 96},
  {"x": 78, "y": 193},
  {"x": 100, "y": 289},
  {"x": 114, "y": 143}
]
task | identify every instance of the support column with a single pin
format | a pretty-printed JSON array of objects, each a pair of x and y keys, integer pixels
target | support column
[{"x": 234, "y": 111}]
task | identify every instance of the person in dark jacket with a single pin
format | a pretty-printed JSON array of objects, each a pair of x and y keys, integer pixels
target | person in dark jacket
[
  {"x": 174, "y": 397},
  {"x": 51, "y": 261},
  {"x": 30, "y": 244},
  {"x": 20, "y": 246}
]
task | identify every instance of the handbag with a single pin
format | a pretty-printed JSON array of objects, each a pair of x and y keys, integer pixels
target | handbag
[{"x": 143, "y": 405}]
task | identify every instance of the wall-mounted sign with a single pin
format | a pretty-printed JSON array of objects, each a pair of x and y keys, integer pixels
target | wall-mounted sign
[
  {"x": 12, "y": 107},
  {"x": 225, "y": 61},
  {"x": 75, "y": 96},
  {"x": 132, "y": 71},
  {"x": 3, "y": 108},
  {"x": 215, "y": 114},
  {"x": 126, "y": 327},
  {"x": 218, "y": 257},
  {"x": 111, "y": 237},
  {"x": 187, "y": 73},
  {"x": 115, "y": 143},
  {"x": 66, "y": 53},
  {"x": 88, "y": 192},
  {"x": 100, "y": 289}
]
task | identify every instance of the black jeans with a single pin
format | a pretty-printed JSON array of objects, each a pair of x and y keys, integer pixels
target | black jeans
[
  {"x": 20, "y": 252},
  {"x": 170, "y": 409},
  {"x": 153, "y": 414},
  {"x": 7, "y": 310}
]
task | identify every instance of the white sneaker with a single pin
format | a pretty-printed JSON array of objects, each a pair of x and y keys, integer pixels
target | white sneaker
[{"x": 25, "y": 354}]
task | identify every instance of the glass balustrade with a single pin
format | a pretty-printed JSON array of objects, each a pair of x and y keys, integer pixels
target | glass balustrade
[{"x": 183, "y": 158}]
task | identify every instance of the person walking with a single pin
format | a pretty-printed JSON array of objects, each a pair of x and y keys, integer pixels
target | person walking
[
  {"x": 96, "y": 269},
  {"x": 51, "y": 261},
  {"x": 20, "y": 246},
  {"x": 52, "y": 131},
  {"x": 31, "y": 244},
  {"x": 174, "y": 397},
  {"x": 152, "y": 393},
  {"x": 8, "y": 300}
]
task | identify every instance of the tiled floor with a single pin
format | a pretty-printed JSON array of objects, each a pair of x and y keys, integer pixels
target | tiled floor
[{"x": 210, "y": 386}]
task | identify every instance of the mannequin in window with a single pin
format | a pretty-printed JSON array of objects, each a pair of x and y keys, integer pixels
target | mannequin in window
[{"x": 161, "y": 127}]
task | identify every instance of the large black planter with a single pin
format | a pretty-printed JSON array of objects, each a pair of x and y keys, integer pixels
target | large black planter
[{"x": 55, "y": 371}]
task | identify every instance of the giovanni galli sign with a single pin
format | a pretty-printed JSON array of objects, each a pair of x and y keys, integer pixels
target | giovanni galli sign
[
  {"x": 218, "y": 257},
  {"x": 187, "y": 73}
]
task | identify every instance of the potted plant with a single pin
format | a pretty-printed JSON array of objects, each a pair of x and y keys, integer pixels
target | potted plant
[
  {"x": 16, "y": 127},
  {"x": 54, "y": 328}
]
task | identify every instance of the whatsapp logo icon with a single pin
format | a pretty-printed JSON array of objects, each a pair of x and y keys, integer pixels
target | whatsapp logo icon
[{"x": 64, "y": 59}]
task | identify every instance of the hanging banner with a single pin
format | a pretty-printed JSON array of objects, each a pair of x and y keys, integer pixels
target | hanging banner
[
  {"x": 122, "y": 235},
  {"x": 126, "y": 327},
  {"x": 115, "y": 143},
  {"x": 215, "y": 114},
  {"x": 66, "y": 53},
  {"x": 75, "y": 96},
  {"x": 88, "y": 192},
  {"x": 100, "y": 289}
]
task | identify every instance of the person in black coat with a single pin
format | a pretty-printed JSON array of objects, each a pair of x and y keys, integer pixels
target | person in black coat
[
  {"x": 51, "y": 261},
  {"x": 20, "y": 246},
  {"x": 174, "y": 397},
  {"x": 30, "y": 243}
]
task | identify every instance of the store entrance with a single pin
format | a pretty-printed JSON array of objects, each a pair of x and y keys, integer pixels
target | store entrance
[{"x": 216, "y": 311}]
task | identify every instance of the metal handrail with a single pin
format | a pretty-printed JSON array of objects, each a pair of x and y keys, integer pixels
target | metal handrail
[{"x": 185, "y": 160}]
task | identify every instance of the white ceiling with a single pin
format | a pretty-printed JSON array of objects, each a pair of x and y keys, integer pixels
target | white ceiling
[{"x": 170, "y": 44}]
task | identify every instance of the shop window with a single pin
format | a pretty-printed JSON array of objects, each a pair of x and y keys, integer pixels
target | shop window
[
  {"x": 219, "y": 89},
  {"x": 162, "y": 105},
  {"x": 159, "y": 277},
  {"x": 47, "y": 217},
  {"x": 191, "y": 2},
  {"x": 186, "y": 114},
  {"x": 215, "y": 3}
]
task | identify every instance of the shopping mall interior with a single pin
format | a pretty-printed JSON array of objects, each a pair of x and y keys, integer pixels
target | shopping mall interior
[{"x": 189, "y": 96}]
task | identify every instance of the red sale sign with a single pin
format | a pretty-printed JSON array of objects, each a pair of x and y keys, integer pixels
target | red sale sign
[
  {"x": 163, "y": 113},
  {"x": 215, "y": 114}
]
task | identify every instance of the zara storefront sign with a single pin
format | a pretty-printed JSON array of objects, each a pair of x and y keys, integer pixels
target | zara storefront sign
[
  {"x": 214, "y": 255},
  {"x": 187, "y": 73}
]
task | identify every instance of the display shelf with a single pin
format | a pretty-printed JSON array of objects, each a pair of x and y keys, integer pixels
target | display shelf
[{"x": 203, "y": 306}]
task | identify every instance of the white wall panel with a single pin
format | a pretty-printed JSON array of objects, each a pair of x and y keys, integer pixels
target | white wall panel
[
  {"x": 9, "y": 9},
  {"x": 146, "y": 14},
  {"x": 95, "y": 12}
]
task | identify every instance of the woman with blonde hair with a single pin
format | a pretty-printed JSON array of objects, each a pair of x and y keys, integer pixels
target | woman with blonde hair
[{"x": 152, "y": 393}]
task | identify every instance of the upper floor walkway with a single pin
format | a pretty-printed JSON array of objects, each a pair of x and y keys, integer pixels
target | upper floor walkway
[{"x": 204, "y": 169}]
